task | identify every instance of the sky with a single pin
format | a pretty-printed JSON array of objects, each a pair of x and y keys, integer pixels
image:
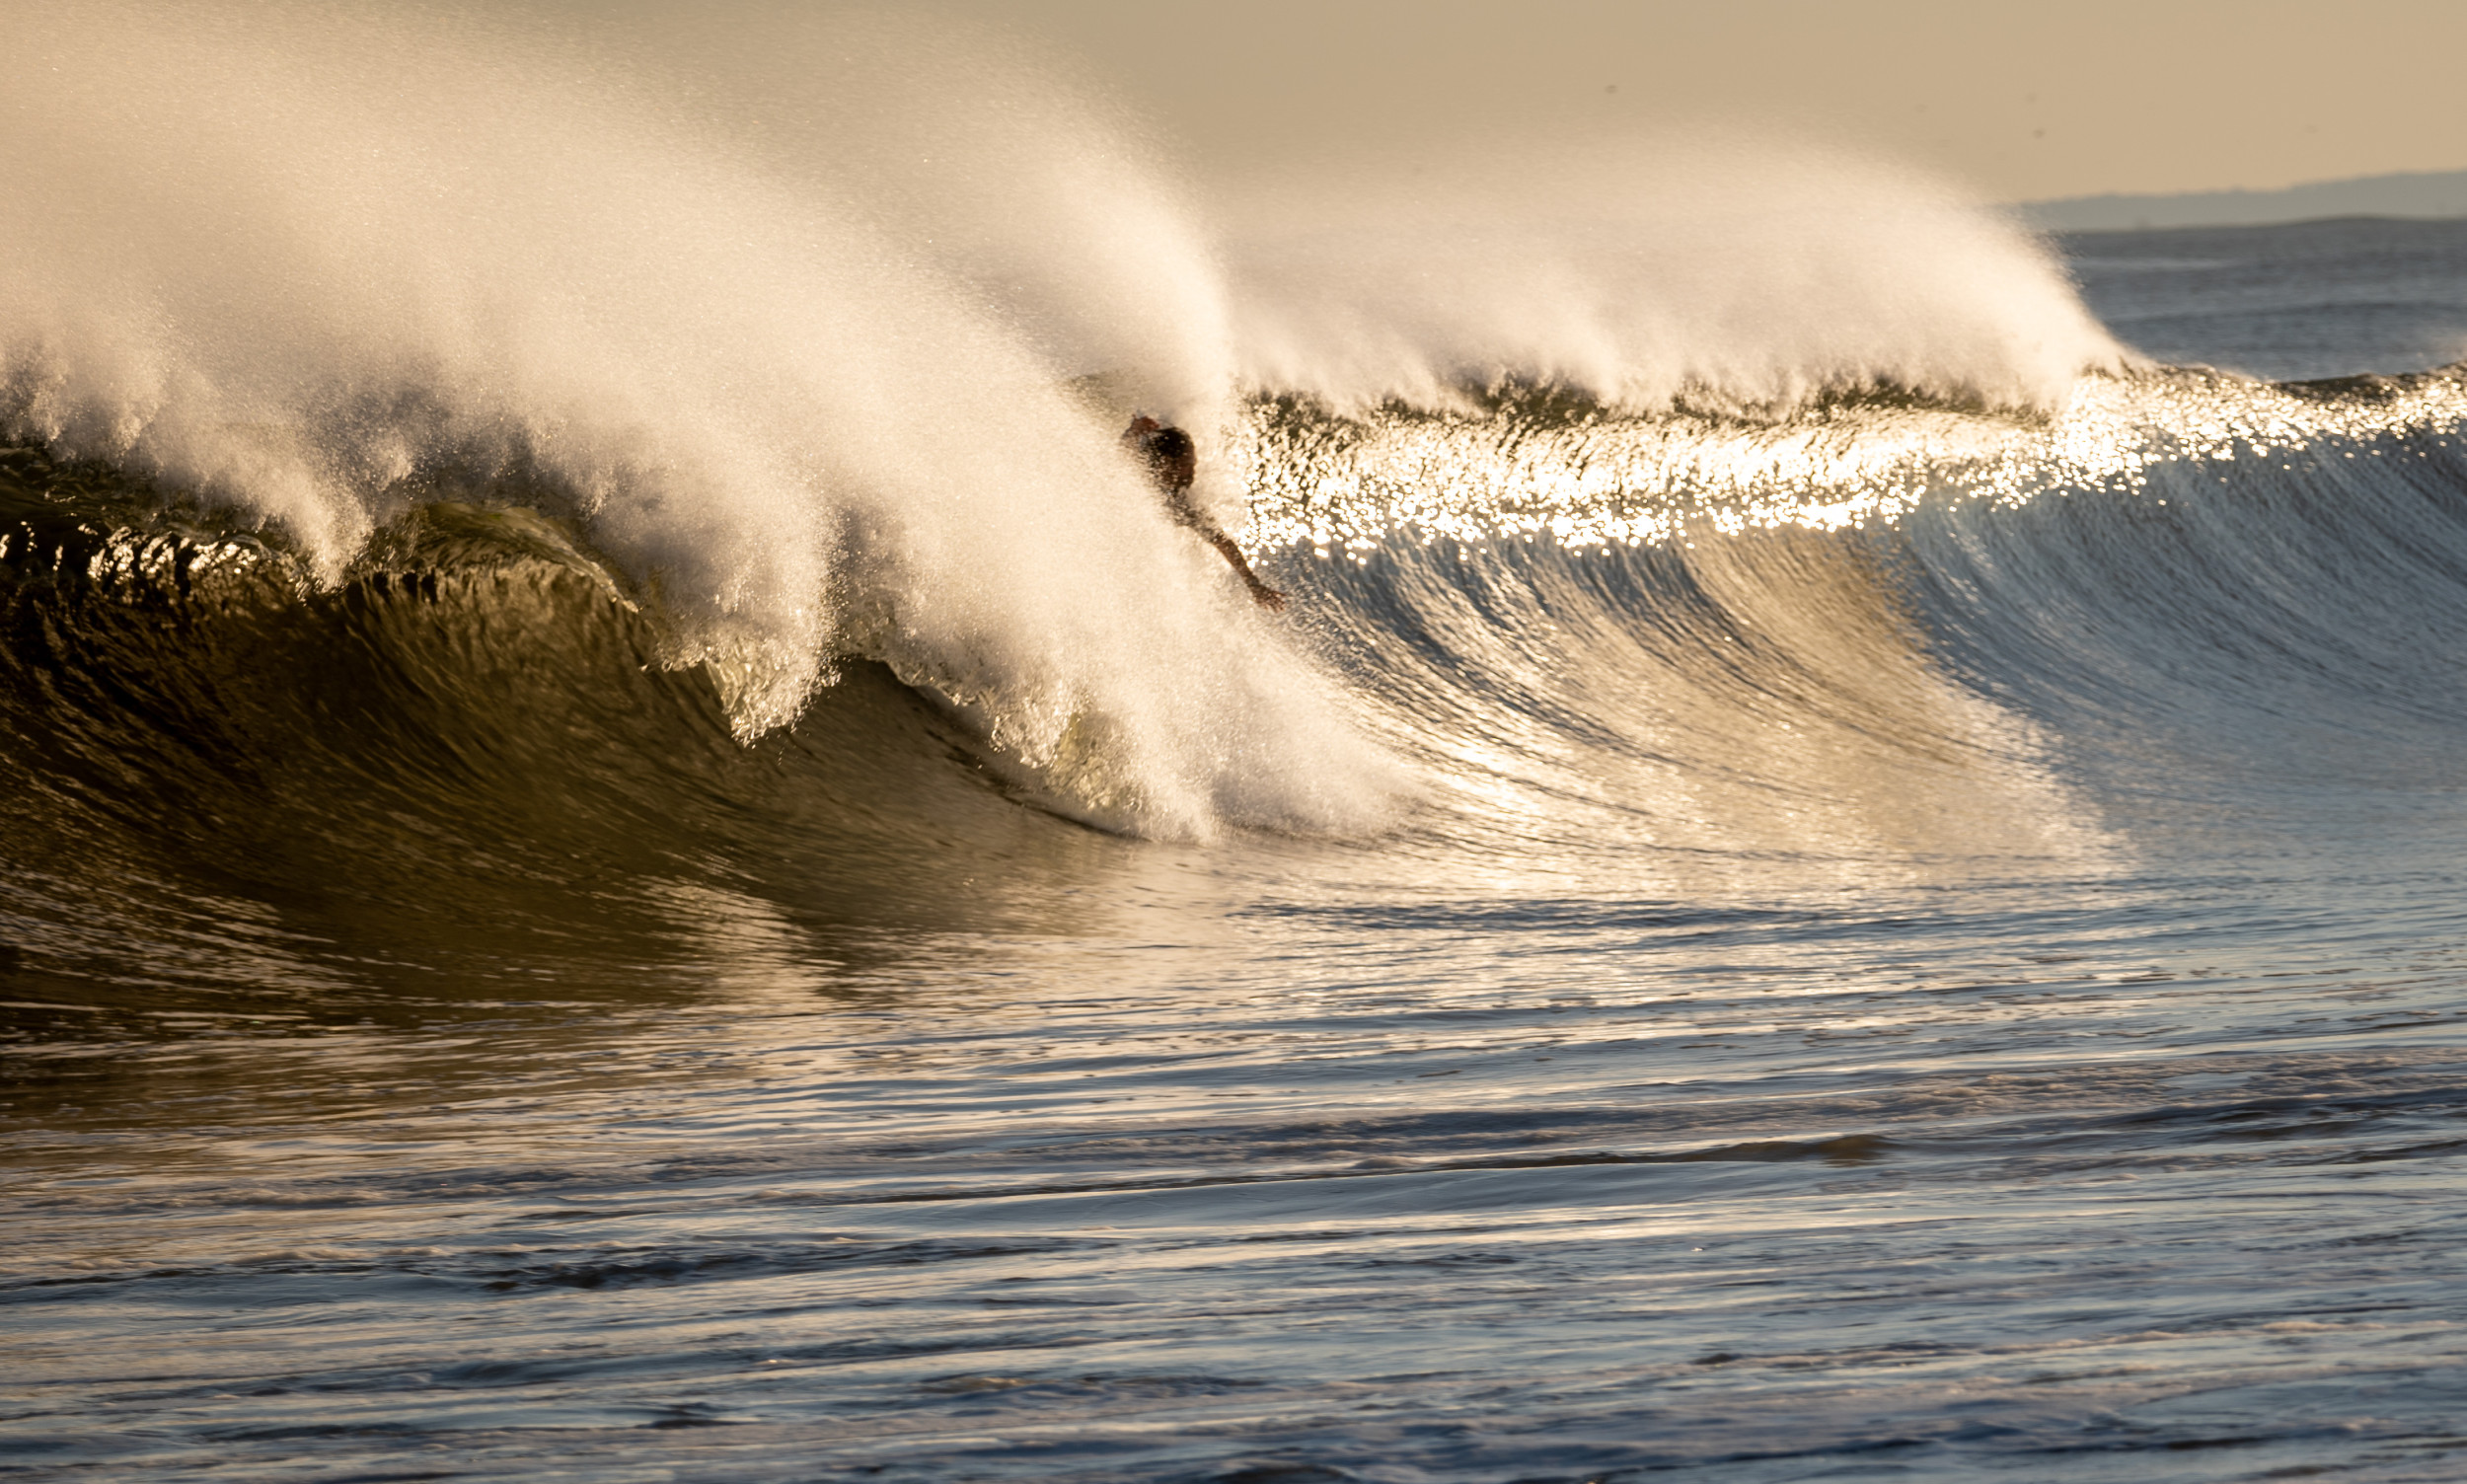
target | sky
[{"x": 2018, "y": 102}]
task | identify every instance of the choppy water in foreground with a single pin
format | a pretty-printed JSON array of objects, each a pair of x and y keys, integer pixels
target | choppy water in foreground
[{"x": 1913, "y": 943}]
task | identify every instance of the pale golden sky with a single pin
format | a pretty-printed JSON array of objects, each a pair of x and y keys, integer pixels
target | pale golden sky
[{"x": 2020, "y": 102}]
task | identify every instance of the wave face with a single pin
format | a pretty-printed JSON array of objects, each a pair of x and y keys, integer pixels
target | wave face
[{"x": 1884, "y": 633}]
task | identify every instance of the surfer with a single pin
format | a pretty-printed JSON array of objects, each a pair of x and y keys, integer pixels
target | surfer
[{"x": 1172, "y": 463}]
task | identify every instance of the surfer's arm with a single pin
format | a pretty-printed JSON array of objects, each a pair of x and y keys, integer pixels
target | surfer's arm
[
  {"x": 1187, "y": 512},
  {"x": 1260, "y": 593}
]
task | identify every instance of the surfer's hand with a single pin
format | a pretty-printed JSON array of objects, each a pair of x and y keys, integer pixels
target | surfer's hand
[{"x": 1267, "y": 597}]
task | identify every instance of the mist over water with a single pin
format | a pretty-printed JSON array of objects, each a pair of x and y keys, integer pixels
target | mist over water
[
  {"x": 629, "y": 844},
  {"x": 1646, "y": 273}
]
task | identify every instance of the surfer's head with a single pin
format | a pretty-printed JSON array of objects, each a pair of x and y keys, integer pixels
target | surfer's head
[{"x": 1173, "y": 461}]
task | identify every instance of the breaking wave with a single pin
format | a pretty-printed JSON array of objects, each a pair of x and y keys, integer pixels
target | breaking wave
[
  {"x": 814, "y": 364},
  {"x": 675, "y": 467}
]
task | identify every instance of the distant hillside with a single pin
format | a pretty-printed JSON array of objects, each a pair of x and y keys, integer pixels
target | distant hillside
[{"x": 2429, "y": 193}]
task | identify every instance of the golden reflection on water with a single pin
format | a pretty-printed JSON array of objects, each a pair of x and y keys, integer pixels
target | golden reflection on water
[{"x": 1607, "y": 479}]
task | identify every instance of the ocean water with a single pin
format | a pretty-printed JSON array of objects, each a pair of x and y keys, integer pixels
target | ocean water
[{"x": 629, "y": 851}]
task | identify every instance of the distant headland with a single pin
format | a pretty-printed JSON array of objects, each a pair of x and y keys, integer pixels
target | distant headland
[{"x": 2423, "y": 194}]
